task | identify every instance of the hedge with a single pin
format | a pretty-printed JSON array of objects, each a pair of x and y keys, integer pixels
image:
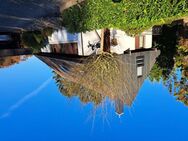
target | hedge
[{"x": 132, "y": 16}]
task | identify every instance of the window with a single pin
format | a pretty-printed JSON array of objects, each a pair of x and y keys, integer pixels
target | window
[
  {"x": 139, "y": 65},
  {"x": 139, "y": 71}
]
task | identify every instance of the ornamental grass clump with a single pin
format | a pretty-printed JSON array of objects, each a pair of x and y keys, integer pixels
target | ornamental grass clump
[
  {"x": 97, "y": 77},
  {"x": 99, "y": 72}
]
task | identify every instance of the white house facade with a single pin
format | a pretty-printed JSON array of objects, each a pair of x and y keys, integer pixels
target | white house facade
[{"x": 84, "y": 44}]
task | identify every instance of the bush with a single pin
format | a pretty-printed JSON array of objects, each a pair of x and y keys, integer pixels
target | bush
[
  {"x": 36, "y": 39},
  {"x": 132, "y": 16}
]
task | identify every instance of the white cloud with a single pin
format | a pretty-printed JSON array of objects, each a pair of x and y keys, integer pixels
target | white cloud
[{"x": 25, "y": 99}]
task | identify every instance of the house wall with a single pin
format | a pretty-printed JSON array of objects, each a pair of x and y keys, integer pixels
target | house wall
[
  {"x": 129, "y": 72},
  {"x": 148, "y": 41},
  {"x": 125, "y": 42},
  {"x": 62, "y": 36},
  {"x": 88, "y": 37}
]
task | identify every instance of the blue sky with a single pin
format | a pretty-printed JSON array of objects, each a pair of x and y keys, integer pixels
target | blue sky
[{"x": 32, "y": 108}]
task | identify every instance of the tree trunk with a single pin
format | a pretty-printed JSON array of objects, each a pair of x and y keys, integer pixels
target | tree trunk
[
  {"x": 105, "y": 41},
  {"x": 106, "y": 47}
]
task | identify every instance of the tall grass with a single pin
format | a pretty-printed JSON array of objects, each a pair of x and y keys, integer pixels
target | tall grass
[{"x": 99, "y": 77}]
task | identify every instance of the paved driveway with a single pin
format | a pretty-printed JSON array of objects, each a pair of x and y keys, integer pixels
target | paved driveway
[{"x": 21, "y": 14}]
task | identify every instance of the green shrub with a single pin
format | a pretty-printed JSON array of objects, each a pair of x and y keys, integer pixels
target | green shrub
[
  {"x": 132, "y": 16},
  {"x": 36, "y": 39}
]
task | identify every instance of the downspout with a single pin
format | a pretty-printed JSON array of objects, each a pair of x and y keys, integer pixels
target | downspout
[{"x": 82, "y": 44}]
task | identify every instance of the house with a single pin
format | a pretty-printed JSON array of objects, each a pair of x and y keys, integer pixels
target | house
[
  {"x": 134, "y": 71},
  {"x": 85, "y": 44},
  {"x": 119, "y": 107}
]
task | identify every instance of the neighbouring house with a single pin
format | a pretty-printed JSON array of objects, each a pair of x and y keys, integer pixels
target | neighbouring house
[
  {"x": 179, "y": 28},
  {"x": 134, "y": 71},
  {"x": 182, "y": 28},
  {"x": 85, "y": 44}
]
